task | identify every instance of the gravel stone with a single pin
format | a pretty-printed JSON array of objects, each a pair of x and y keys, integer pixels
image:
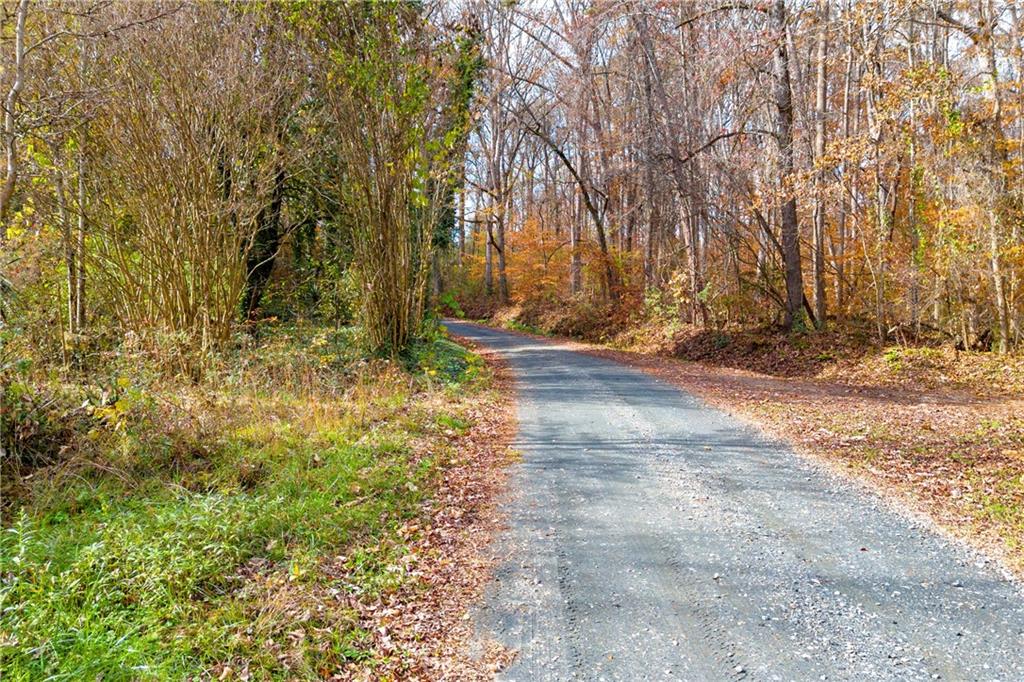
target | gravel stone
[{"x": 633, "y": 499}]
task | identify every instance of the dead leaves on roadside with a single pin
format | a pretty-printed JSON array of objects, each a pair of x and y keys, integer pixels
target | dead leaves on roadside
[{"x": 424, "y": 631}]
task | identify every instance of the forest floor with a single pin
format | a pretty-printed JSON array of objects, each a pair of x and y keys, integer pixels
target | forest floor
[
  {"x": 940, "y": 431},
  {"x": 300, "y": 512}
]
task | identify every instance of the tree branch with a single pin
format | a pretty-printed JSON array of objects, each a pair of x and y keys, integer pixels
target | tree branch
[
  {"x": 971, "y": 32},
  {"x": 710, "y": 143},
  {"x": 723, "y": 8}
]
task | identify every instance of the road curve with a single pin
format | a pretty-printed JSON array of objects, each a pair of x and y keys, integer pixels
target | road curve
[{"x": 651, "y": 537}]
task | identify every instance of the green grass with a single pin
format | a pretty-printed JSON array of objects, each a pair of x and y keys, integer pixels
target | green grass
[
  {"x": 176, "y": 575},
  {"x": 517, "y": 326},
  {"x": 1001, "y": 501}
]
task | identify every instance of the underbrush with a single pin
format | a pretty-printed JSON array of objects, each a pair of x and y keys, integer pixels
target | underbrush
[
  {"x": 162, "y": 528},
  {"x": 849, "y": 353},
  {"x": 579, "y": 318}
]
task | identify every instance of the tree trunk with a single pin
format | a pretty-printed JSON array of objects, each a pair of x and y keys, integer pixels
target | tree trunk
[
  {"x": 489, "y": 260},
  {"x": 998, "y": 160},
  {"x": 820, "y": 103},
  {"x": 10, "y": 106},
  {"x": 876, "y": 260},
  {"x": 576, "y": 263},
  {"x": 651, "y": 208},
  {"x": 784, "y": 132},
  {"x": 68, "y": 246},
  {"x": 912, "y": 217},
  {"x": 499, "y": 246},
  {"x": 83, "y": 143},
  {"x": 263, "y": 251},
  {"x": 839, "y": 251},
  {"x": 80, "y": 237},
  {"x": 1016, "y": 235},
  {"x": 462, "y": 219},
  {"x": 436, "y": 283},
  {"x": 598, "y": 217}
]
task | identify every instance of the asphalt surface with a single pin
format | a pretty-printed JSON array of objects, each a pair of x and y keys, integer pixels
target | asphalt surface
[{"x": 651, "y": 537}]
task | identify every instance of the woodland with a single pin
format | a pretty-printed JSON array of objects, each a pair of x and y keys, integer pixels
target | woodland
[
  {"x": 850, "y": 164},
  {"x": 229, "y": 232}
]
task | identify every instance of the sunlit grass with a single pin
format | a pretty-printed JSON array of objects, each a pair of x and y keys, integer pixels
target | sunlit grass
[{"x": 165, "y": 564}]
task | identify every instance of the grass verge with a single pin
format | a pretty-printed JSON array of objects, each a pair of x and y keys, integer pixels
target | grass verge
[{"x": 235, "y": 528}]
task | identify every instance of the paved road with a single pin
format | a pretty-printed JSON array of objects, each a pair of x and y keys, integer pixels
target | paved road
[{"x": 652, "y": 537}]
